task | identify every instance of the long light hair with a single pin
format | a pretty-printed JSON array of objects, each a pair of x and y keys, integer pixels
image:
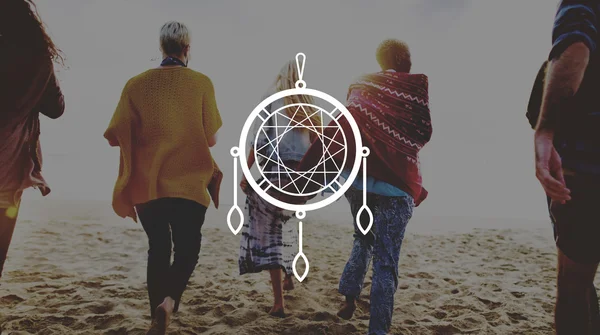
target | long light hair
[{"x": 286, "y": 79}]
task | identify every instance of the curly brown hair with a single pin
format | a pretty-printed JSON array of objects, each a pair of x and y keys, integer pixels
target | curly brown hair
[
  {"x": 22, "y": 31},
  {"x": 394, "y": 54}
]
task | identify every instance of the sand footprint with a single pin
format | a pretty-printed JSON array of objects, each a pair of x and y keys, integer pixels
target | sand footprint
[
  {"x": 11, "y": 300},
  {"x": 105, "y": 321}
]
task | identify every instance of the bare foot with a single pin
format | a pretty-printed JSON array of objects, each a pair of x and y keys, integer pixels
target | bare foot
[
  {"x": 277, "y": 311},
  {"x": 162, "y": 317},
  {"x": 288, "y": 283},
  {"x": 155, "y": 329},
  {"x": 347, "y": 310}
]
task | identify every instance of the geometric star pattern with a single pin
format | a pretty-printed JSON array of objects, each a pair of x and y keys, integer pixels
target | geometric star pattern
[{"x": 285, "y": 179}]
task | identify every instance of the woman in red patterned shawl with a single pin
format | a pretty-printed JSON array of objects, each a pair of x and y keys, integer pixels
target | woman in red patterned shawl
[
  {"x": 392, "y": 109},
  {"x": 29, "y": 87}
]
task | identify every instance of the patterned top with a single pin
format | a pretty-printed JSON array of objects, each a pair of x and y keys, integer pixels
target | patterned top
[
  {"x": 392, "y": 110},
  {"x": 578, "y": 138},
  {"x": 373, "y": 185}
]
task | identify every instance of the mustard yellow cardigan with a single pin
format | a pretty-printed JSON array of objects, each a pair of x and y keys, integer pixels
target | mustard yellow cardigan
[{"x": 162, "y": 124}]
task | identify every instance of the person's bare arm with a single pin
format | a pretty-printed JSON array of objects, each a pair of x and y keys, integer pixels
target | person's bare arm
[
  {"x": 52, "y": 102},
  {"x": 563, "y": 79},
  {"x": 251, "y": 158},
  {"x": 212, "y": 140},
  {"x": 574, "y": 38}
]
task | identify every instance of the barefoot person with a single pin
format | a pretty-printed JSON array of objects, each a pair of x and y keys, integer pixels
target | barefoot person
[
  {"x": 567, "y": 146},
  {"x": 267, "y": 242},
  {"x": 392, "y": 110},
  {"x": 29, "y": 88},
  {"x": 165, "y": 123}
]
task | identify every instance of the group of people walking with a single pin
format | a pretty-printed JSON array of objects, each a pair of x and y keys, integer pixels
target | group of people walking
[
  {"x": 394, "y": 132},
  {"x": 167, "y": 120}
]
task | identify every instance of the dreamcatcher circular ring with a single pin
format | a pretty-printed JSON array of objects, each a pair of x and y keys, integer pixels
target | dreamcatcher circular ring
[
  {"x": 243, "y": 153},
  {"x": 239, "y": 153}
]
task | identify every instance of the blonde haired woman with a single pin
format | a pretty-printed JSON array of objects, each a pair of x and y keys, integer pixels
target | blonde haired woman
[
  {"x": 165, "y": 122},
  {"x": 264, "y": 243}
]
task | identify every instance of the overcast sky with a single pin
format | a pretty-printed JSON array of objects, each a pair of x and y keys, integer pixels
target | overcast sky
[{"x": 481, "y": 58}]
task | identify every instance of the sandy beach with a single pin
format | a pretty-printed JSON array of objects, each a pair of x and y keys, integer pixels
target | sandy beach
[{"x": 76, "y": 268}]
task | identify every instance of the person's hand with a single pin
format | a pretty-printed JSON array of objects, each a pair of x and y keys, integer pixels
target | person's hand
[
  {"x": 548, "y": 167},
  {"x": 244, "y": 185}
]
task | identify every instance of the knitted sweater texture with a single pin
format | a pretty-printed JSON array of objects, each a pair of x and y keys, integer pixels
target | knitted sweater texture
[{"x": 162, "y": 124}]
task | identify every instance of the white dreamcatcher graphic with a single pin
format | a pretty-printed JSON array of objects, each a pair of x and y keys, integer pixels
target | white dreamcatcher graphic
[{"x": 291, "y": 184}]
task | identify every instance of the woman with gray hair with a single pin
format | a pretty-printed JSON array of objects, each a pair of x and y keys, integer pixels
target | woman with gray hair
[{"x": 165, "y": 123}]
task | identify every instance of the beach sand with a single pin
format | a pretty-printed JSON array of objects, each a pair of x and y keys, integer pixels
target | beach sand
[{"x": 76, "y": 268}]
